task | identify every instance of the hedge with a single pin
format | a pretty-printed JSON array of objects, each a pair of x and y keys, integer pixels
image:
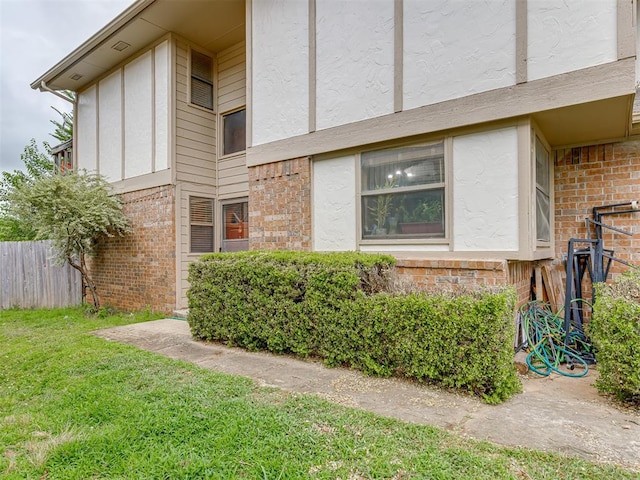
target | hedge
[
  {"x": 337, "y": 307},
  {"x": 615, "y": 331}
]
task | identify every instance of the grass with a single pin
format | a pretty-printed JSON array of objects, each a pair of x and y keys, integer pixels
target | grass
[{"x": 74, "y": 406}]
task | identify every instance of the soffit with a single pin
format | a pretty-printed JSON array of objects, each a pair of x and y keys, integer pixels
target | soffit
[
  {"x": 586, "y": 123},
  {"x": 211, "y": 24}
]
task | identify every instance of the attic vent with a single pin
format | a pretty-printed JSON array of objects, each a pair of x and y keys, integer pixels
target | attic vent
[
  {"x": 120, "y": 46},
  {"x": 76, "y": 76}
]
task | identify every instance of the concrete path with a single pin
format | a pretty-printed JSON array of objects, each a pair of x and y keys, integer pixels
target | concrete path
[{"x": 554, "y": 414}]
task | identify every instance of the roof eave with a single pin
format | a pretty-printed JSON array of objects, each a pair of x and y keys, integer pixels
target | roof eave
[{"x": 92, "y": 43}]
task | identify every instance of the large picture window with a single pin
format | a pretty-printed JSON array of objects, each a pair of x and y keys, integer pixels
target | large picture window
[
  {"x": 403, "y": 192},
  {"x": 543, "y": 193}
]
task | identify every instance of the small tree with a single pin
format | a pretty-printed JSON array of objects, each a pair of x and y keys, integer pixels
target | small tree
[
  {"x": 36, "y": 165},
  {"x": 73, "y": 210}
]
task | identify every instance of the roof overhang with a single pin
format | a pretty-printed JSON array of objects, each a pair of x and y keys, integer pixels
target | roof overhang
[
  {"x": 210, "y": 24},
  {"x": 592, "y": 122}
]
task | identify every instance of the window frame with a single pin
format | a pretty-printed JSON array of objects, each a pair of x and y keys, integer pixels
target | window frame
[
  {"x": 536, "y": 137},
  {"x": 223, "y": 222},
  {"x": 221, "y": 123},
  {"x": 445, "y": 186},
  {"x": 211, "y": 83},
  {"x": 212, "y": 224}
]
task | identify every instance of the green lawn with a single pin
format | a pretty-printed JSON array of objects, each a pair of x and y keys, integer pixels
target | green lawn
[{"x": 73, "y": 406}]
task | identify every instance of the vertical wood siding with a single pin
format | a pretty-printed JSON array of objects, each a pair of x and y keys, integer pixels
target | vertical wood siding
[{"x": 31, "y": 278}]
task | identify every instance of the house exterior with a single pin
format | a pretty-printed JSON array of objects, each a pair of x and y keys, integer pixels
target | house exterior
[{"x": 468, "y": 138}]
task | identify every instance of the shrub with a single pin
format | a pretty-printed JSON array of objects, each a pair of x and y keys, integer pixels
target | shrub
[
  {"x": 615, "y": 331},
  {"x": 336, "y": 307}
]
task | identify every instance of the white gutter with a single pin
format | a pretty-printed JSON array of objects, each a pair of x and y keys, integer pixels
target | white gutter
[{"x": 44, "y": 87}]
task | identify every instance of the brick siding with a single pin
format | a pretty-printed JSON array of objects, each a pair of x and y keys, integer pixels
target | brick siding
[
  {"x": 597, "y": 175},
  {"x": 280, "y": 205},
  {"x": 138, "y": 271}
]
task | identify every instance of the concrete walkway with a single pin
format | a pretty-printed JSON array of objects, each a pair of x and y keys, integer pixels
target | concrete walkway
[{"x": 554, "y": 414}]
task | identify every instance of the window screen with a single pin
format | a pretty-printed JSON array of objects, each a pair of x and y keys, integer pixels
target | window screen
[
  {"x": 201, "y": 80},
  {"x": 201, "y": 223}
]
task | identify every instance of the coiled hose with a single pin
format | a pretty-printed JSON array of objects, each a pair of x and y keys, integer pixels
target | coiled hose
[{"x": 546, "y": 338}]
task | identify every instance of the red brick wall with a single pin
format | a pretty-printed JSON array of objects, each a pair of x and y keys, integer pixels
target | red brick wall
[
  {"x": 453, "y": 274},
  {"x": 280, "y": 205},
  {"x": 138, "y": 271},
  {"x": 598, "y": 175}
]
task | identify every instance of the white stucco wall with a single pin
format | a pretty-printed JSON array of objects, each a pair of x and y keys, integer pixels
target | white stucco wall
[
  {"x": 138, "y": 116},
  {"x": 334, "y": 204},
  {"x": 354, "y": 61},
  {"x": 110, "y": 121},
  {"x": 87, "y": 154},
  {"x": 485, "y": 191},
  {"x": 162, "y": 75},
  {"x": 280, "y": 69},
  {"x": 567, "y": 36},
  {"x": 453, "y": 49}
]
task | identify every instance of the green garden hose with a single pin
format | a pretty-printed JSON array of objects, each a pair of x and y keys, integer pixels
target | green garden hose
[{"x": 546, "y": 338}]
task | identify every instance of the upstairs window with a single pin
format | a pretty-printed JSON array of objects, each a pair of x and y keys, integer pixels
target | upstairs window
[
  {"x": 201, "y": 224},
  {"x": 234, "y": 126},
  {"x": 403, "y": 192},
  {"x": 201, "y": 80}
]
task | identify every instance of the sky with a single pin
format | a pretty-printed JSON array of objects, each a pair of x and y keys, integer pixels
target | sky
[{"x": 34, "y": 36}]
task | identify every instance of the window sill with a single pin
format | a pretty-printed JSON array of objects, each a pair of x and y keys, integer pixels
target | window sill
[
  {"x": 203, "y": 109},
  {"x": 241, "y": 153}
]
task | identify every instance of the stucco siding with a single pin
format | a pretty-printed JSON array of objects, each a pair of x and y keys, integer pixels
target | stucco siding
[
  {"x": 455, "y": 49},
  {"x": 110, "y": 119},
  {"x": 355, "y": 69},
  {"x": 87, "y": 137},
  {"x": 280, "y": 66},
  {"x": 138, "y": 112},
  {"x": 566, "y": 36},
  {"x": 485, "y": 191},
  {"x": 334, "y": 204}
]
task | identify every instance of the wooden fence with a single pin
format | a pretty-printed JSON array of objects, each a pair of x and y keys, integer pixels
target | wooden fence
[{"x": 30, "y": 277}]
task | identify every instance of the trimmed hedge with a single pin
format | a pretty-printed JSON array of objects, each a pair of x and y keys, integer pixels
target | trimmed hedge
[
  {"x": 335, "y": 306},
  {"x": 615, "y": 331}
]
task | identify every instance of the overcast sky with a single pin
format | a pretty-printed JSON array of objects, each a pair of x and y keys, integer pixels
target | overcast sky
[{"x": 35, "y": 35}]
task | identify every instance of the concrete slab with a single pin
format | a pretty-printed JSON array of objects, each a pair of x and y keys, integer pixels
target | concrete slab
[{"x": 556, "y": 413}]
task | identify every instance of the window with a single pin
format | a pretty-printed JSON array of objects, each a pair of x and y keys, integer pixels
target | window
[
  {"x": 201, "y": 224},
  {"x": 402, "y": 192},
  {"x": 235, "y": 235},
  {"x": 543, "y": 193},
  {"x": 201, "y": 80},
  {"x": 235, "y": 132}
]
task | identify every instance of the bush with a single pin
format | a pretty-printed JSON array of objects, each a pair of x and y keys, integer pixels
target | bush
[
  {"x": 615, "y": 331},
  {"x": 335, "y": 306}
]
